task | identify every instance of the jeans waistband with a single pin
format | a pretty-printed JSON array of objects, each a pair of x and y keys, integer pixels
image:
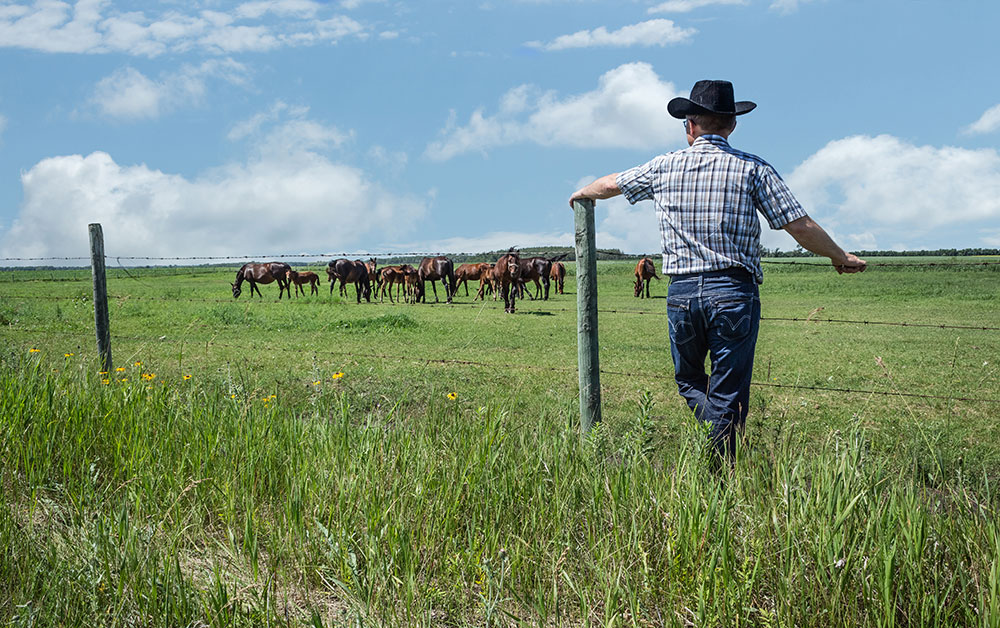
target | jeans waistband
[{"x": 734, "y": 273}]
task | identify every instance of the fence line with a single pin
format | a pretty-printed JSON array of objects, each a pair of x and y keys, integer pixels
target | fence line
[
  {"x": 792, "y": 319},
  {"x": 500, "y": 365},
  {"x": 390, "y": 254}
]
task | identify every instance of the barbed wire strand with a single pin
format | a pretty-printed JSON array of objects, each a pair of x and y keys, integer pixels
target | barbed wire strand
[
  {"x": 792, "y": 319},
  {"x": 392, "y": 254},
  {"x": 499, "y": 365}
]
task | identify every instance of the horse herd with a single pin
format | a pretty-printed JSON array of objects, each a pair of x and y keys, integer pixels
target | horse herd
[{"x": 506, "y": 278}]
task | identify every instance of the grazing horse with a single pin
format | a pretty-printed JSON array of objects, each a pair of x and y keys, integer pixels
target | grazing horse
[
  {"x": 350, "y": 272},
  {"x": 372, "y": 266},
  {"x": 470, "y": 272},
  {"x": 305, "y": 277},
  {"x": 262, "y": 273},
  {"x": 558, "y": 276},
  {"x": 535, "y": 268},
  {"x": 644, "y": 271},
  {"x": 506, "y": 275},
  {"x": 434, "y": 268}
]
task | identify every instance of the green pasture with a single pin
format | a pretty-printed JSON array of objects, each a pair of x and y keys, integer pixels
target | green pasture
[{"x": 316, "y": 461}]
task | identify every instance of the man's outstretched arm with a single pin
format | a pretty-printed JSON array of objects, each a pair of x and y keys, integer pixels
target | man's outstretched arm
[
  {"x": 605, "y": 187},
  {"x": 813, "y": 238}
]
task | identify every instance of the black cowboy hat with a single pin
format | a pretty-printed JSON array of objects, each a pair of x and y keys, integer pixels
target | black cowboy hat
[{"x": 709, "y": 97}]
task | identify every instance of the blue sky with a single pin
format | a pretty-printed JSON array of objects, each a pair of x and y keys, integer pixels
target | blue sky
[{"x": 292, "y": 126}]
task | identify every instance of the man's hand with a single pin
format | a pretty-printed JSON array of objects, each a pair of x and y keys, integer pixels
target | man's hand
[{"x": 851, "y": 264}]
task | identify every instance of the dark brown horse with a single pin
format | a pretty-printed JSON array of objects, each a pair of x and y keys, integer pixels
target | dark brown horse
[
  {"x": 506, "y": 275},
  {"x": 262, "y": 273},
  {"x": 535, "y": 269},
  {"x": 644, "y": 271},
  {"x": 350, "y": 272},
  {"x": 558, "y": 276},
  {"x": 432, "y": 269},
  {"x": 299, "y": 279}
]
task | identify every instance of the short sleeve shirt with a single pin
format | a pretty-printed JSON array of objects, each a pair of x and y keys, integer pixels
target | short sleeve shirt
[{"x": 707, "y": 197}]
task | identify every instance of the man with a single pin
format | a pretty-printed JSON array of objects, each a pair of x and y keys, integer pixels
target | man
[{"x": 707, "y": 197}]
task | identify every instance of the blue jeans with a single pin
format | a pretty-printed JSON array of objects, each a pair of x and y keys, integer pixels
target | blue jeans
[{"x": 717, "y": 314}]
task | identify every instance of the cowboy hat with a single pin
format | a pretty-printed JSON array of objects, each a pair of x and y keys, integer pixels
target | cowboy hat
[{"x": 713, "y": 97}]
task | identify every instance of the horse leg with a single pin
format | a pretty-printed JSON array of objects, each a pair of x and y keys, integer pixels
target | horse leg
[{"x": 434, "y": 288}]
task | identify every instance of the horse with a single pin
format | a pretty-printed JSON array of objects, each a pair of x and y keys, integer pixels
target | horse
[
  {"x": 434, "y": 268},
  {"x": 262, "y": 273},
  {"x": 558, "y": 276},
  {"x": 644, "y": 271},
  {"x": 535, "y": 269},
  {"x": 390, "y": 276},
  {"x": 372, "y": 266},
  {"x": 466, "y": 272},
  {"x": 506, "y": 275},
  {"x": 304, "y": 277},
  {"x": 350, "y": 272}
]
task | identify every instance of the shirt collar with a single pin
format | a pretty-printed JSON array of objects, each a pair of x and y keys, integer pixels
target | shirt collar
[{"x": 710, "y": 138}]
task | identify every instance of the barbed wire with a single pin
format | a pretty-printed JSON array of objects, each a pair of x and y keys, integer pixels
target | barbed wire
[
  {"x": 393, "y": 254},
  {"x": 793, "y": 319},
  {"x": 556, "y": 369}
]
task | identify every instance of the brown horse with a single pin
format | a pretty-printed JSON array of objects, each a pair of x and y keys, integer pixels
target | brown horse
[
  {"x": 262, "y": 273},
  {"x": 390, "y": 276},
  {"x": 470, "y": 272},
  {"x": 432, "y": 269},
  {"x": 535, "y": 269},
  {"x": 644, "y": 271},
  {"x": 299, "y": 279},
  {"x": 558, "y": 276},
  {"x": 506, "y": 275},
  {"x": 350, "y": 272}
]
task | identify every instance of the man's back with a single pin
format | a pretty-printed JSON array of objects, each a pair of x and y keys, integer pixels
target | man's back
[{"x": 707, "y": 197}]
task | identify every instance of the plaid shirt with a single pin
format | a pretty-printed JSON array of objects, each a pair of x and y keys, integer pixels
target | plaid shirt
[{"x": 706, "y": 196}]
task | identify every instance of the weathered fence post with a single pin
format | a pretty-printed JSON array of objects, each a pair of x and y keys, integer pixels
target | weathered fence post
[
  {"x": 101, "y": 323},
  {"x": 586, "y": 315}
]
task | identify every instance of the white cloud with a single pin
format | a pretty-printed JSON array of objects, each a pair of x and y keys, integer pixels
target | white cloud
[
  {"x": 129, "y": 94},
  {"x": 289, "y": 197},
  {"x": 685, "y": 6},
  {"x": 987, "y": 123},
  {"x": 658, "y": 32},
  {"x": 787, "y": 6},
  {"x": 884, "y": 187},
  {"x": 94, "y": 26},
  {"x": 625, "y": 111}
]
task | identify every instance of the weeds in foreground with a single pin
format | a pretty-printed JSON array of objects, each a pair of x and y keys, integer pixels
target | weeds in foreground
[{"x": 143, "y": 502}]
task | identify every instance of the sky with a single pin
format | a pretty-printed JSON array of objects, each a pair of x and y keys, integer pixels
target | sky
[{"x": 266, "y": 127}]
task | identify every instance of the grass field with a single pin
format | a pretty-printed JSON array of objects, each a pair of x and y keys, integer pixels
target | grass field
[{"x": 322, "y": 462}]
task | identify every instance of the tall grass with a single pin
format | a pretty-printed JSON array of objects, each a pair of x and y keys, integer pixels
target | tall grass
[{"x": 188, "y": 503}]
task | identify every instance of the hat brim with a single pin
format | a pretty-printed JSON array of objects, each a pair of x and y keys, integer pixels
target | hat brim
[{"x": 681, "y": 107}]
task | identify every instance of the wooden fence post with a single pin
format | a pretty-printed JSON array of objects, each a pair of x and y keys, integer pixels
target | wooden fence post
[
  {"x": 101, "y": 323},
  {"x": 586, "y": 316}
]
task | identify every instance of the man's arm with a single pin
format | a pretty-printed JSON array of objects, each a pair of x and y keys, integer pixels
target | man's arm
[
  {"x": 813, "y": 238},
  {"x": 605, "y": 187}
]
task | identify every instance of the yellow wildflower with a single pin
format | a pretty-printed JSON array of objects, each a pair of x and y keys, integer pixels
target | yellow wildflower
[
  {"x": 105, "y": 381},
  {"x": 316, "y": 383},
  {"x": 34, "y": 350},
  {"x": 137, "y": 364},
  {"x": 120, "y": 369},
  {"x": 453, "y": 396},
  {"x": 68, "y": 355},
  {"x": 187, "y": 377},
  {"x": 337, "y": 375}
]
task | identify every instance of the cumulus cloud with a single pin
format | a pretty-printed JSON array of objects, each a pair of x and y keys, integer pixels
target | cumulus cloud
[
  {"x": 129, "y": 94},
  {"x": 290, "y": 196},
  {"x": 987, "y": 123},
  {"x": 94, "y": 26},
  {"x": 878, "y": 188},
  {"x": 627, "y": 110},
  {"x": 658, "y": 32},
  {"x": 685, "y": 6}
]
